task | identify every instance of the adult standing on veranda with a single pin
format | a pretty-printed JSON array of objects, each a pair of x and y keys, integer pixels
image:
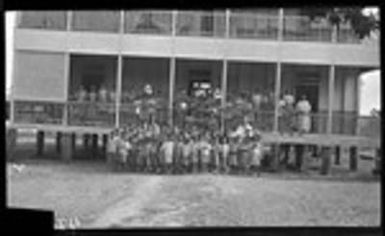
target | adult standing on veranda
[{"x": 303, "y": 110}]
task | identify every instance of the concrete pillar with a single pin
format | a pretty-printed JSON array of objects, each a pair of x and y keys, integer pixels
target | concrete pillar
[
  {"x": 299, "y": 152},
  {"x": 306, "y": 154},
  {"x": 337, "y": 158},
  {"x": 11, "y": 143},
  {"x": 105, "y": 143},
  {"x": 95, "y": 144},
  {"x": 353, "y": 154},
  {"x": 40, "y": 143},
  {"x": 58, "y": 141},
  {"x": 86, "y": 141},
  {"x": 275, "y": 157},
  {"x": 325, "y": 164},
  {"x": 377, "y": 162},
  {"x": 67, "y": 147},
  {"x": 73, "y": 141}
]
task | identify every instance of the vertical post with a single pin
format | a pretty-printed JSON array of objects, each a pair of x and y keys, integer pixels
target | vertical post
[
  {"x": 337, "y": 158},
  {"x": 279, "y": 70},
  {"x": 58, "y": 141},
  {"x": 172, "y": 68},
  {"x": 224, "y": 72},
  {"x": 171, "y": 90},
  {"x": 276, "y": 95},
  {"x": 95, "y": 144},
  {"x": 67, "y": 62},
  {"x": 280, "y": 24},
  {"x": 119, "y": 73},
  {"x": 377, "y": 162},
  {"x": 353, "y": 158},
  {"x": 358, "y": 105},
  {"x": 11, "y": 142},
  {"x": 331, "y": 99},
  {"x": 325, "y": 165},
  {"x": 73, "y": 141},
  {"x": 67, "y": 147},
  {"x": 40, "y": 143}
]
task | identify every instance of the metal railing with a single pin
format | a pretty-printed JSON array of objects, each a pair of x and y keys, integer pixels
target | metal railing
[
  {"x": 30, "y": 112},
  {"x": 48, "y": 20},
  {"x": 201, "y": 23},
  {"x": 243, "y": 25},
  {"x": 369, "y": 126},
  {"x": 148, "y": 22},
  {"x": 96, "y": 114},
  {"x": 98, "y": 21},
  {"x": 253, "y": 26},
  {"x": 301, "y": 28}
]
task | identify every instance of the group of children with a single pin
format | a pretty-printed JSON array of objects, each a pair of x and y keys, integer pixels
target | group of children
[{"x": 151, "y": 149}]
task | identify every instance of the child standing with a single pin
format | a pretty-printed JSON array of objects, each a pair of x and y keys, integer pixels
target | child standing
[
  {"x": 112, "y": 146},
  {"x": 195, "y": 154},
  {"x": 186, "y": 153},
  {"x": 233, "y": 151},
  {"x": 205, "y": 151},
  {"x": 167, "y": 150},
  {"x": 224, "y": 154},
  {"x": 256, "y": 154}
]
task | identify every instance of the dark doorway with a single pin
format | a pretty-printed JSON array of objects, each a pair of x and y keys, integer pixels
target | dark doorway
[{"x": 311, "y": 91}]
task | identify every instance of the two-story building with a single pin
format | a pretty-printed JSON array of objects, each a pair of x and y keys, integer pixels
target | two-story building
[{"x": 57, "y": 53}]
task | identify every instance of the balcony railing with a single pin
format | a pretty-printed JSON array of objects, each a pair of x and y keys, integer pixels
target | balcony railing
[
  {"x": 98, "y": 21},
  {"x": 38, "y": 112},
  {"x": 301, "y": 28},
  {"x": 200, "y": 23},
  {"x": 252, "y": 26},
  {"x": 48, "y": 20},
  {"x": 148, "y": 22},
  {"x": 243, "y": 25},
  {"x": 96, "y": 114}
]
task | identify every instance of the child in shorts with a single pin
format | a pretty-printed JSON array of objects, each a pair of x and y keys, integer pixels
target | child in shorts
[
  {"x": 205, "y": 153},
  {"x": 233, "y": 151},
  {"x": 112, "y": 146},
  {"x": 224, "y": 154},
  {"x": 167, "y": 149}
]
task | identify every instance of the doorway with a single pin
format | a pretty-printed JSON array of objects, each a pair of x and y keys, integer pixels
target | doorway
[{"x": 311, "y": 91}]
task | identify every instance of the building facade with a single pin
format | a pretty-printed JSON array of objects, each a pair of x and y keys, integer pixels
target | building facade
[{"x": 57, "y": 53}]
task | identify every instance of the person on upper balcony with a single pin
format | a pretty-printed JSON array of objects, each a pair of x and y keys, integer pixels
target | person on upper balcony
[
  {"x": 103, "y": 94},
  {"x": 92, "y": 94},
  {"x": 303, "y": 110},
  {"x": 81, "y": 95}
]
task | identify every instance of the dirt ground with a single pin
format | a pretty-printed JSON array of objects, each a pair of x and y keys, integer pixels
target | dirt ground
[{"x": 97, "y": 197}]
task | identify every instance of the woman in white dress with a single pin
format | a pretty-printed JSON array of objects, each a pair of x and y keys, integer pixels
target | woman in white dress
[{"x": 303, "y": 109}]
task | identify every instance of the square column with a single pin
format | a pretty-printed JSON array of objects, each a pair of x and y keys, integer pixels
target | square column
[
  {"x": 329, "y": 125},
  {"x": 11, "y": 140},
  {"x": 353, "y": 160},
  {"x": 40, "y": 143},
  {"x": 171, "y": 90},
  {"x": 325, "y": 161},
  {"x": 68, "y": 149}
]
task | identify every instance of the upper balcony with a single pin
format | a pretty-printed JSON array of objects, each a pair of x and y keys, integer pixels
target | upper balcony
[
  {"x": 259, "y": 25},
  {"x": 209, "y": 34}
]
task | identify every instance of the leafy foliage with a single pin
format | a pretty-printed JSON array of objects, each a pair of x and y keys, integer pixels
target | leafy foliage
[{"x": 362, "y": 24}]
